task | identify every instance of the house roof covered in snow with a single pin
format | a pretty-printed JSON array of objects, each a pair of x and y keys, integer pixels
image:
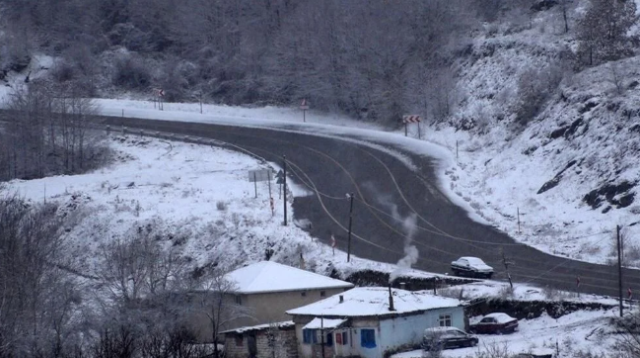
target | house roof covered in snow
[
  {"x": 269, "y": 276},
  {"x": 374, "y": 301},
  {"x": 261, "y": 327}
]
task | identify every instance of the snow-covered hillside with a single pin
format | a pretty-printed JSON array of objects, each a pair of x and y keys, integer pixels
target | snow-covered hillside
[
  {"x": 196, "y": 198},
  {"x": 565, "y": 180}
]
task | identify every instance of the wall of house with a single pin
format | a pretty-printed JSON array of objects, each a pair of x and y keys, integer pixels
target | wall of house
[
  {"x": 256, "y": 309},
  {"x": 391, "y": 334},
  {"x": 353, "y": 348},
  {"x": 237, "y": 345},
  {"x": 407, "y": 331},
  {"x": 235, "y": 348},
  {"x": 272, "y": 307}
]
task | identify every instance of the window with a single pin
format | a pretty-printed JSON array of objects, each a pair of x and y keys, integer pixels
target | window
[
  {"x": 309, "y": 336},
  {"x": 367, "y": 338},
  {"x": 341, "y": 338},
  {"x": 303, "y": 294},
  {"x": 329, "y": 341},
  {"x": 322, "y": 293},
  {"x": 445, "y": 320},
  {"x": 238, "y": 341},
  {"x": 239, "y": 300}
]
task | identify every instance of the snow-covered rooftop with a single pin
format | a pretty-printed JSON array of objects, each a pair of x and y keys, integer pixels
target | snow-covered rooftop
[
  {"x": 260, "y": 327},
  {"x": 269, "y": 276},
  {"x": 320, "y": 323},
  {"x": 374, "y": 301}
]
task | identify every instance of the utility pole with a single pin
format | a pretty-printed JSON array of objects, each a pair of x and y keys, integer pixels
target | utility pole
[
  {"x": 284, "y": 165},
  {"x": 618, "y": 239},
  {"x": 506, "y": 264},
  {"x": 350, "y": 196},
  {"x": 255, "y": 183}
]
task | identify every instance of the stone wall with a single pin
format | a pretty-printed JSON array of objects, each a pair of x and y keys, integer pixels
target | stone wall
[{"x": 286, "y": 345}]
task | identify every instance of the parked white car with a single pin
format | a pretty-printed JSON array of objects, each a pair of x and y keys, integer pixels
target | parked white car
[{"x": 471, "y": 266}]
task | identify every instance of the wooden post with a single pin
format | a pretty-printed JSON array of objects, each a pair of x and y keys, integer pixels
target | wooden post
[
  {"x": 350, "y": 221},
  {"x": 255, "y": 182},
  {"x": 284, "y": 189},
  {"x": 619, "y": 240}
]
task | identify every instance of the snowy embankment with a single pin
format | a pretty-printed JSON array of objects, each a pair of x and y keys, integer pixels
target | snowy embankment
[
  {"x": 197, "y": 197},
  {"x": 574, "y": 335}
]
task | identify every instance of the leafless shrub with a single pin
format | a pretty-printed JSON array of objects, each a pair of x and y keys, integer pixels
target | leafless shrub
[
  {"x": 131, "y": 73},
  {"x": 494, "y": 350},
  {"x": 535, "y": 86},
  {"x": 221, "y": 206},
  {"x": 616, "y": 77}
]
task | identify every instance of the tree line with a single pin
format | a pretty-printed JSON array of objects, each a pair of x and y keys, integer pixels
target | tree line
[
  {"x": 45, "y": 131},
  {"x": 374, "y": 59}
]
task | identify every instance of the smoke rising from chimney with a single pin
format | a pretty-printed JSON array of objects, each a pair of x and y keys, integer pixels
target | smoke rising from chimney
[
  {"x": 411, "y": 254},
  {"x": 409, "y": 226}
]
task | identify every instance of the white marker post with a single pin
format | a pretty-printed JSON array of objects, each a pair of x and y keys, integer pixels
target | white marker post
[{"x": 304, "y": 106}]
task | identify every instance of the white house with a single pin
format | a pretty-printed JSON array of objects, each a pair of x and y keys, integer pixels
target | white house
[{"x": 371, "y": 322}]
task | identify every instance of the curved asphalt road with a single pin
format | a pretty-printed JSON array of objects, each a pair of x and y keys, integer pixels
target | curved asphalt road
[{"x": 382, "y": 185}]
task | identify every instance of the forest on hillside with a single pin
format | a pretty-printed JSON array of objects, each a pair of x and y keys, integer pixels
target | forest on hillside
[
  {"x": 373, "y": 60},
  {"x": 370, "y": 59}
]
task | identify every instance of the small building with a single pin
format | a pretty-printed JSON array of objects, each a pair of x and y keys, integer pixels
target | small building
[
  {"x": 265, "y": 291},
  {"x": 262, "y": 341},
  {"x": 371, "y": 322}
]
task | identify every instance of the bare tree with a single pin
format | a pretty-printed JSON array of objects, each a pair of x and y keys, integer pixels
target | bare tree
[
  {"x": 39, "y": 293},
  {"x": 218, "y": 301},
  {"x": 603, "y": 31},
  {"x": 137, "y": 267},
  {"x": 278, "y": 343}
]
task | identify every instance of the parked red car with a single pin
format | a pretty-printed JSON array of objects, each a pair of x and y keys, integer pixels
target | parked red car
[{"x": 497, "y": 323}]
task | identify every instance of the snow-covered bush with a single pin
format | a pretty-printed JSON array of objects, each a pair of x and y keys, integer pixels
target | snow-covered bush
[
  {"x": 535, "y": 86},
  {"x": 131, "y": 72}
]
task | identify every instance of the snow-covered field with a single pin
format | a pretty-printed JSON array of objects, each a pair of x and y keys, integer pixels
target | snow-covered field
[
  {"x": 572, "y": 335},
  {"x": 197, "y": 195}
]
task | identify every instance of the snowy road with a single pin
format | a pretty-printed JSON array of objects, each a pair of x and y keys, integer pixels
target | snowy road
[{"x": 391, "y": 197}]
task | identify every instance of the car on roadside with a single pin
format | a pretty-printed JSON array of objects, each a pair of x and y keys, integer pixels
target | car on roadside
[
  {"x": 438, "y": 338},
  {"x": 495, "y": 323},
  {"x": 471, "y": 266}
]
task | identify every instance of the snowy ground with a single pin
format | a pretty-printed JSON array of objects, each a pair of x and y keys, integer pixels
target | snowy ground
[
  {"x": 494, "y": 176},
  {"x": 493, "y": 179},
  {"x": 198, "y": 195},
  {"x": 571, "y": 335}
]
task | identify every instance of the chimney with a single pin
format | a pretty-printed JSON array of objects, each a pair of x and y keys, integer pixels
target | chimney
[
  {"x": 391, "y": 308},
  {"x": 341, "y": 298},
  {"x": 403, "y": 286}
]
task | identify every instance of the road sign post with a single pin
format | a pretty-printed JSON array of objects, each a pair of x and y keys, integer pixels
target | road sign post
[
  {"x": 255, "y": 184},
  {"x": 304, "y": 106},
  {"x": 260, "y": 175},
  {"x": 333, "y": 245},
  {"x": 411, "y": 118},
  {"x": 280, "y": 181}
]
